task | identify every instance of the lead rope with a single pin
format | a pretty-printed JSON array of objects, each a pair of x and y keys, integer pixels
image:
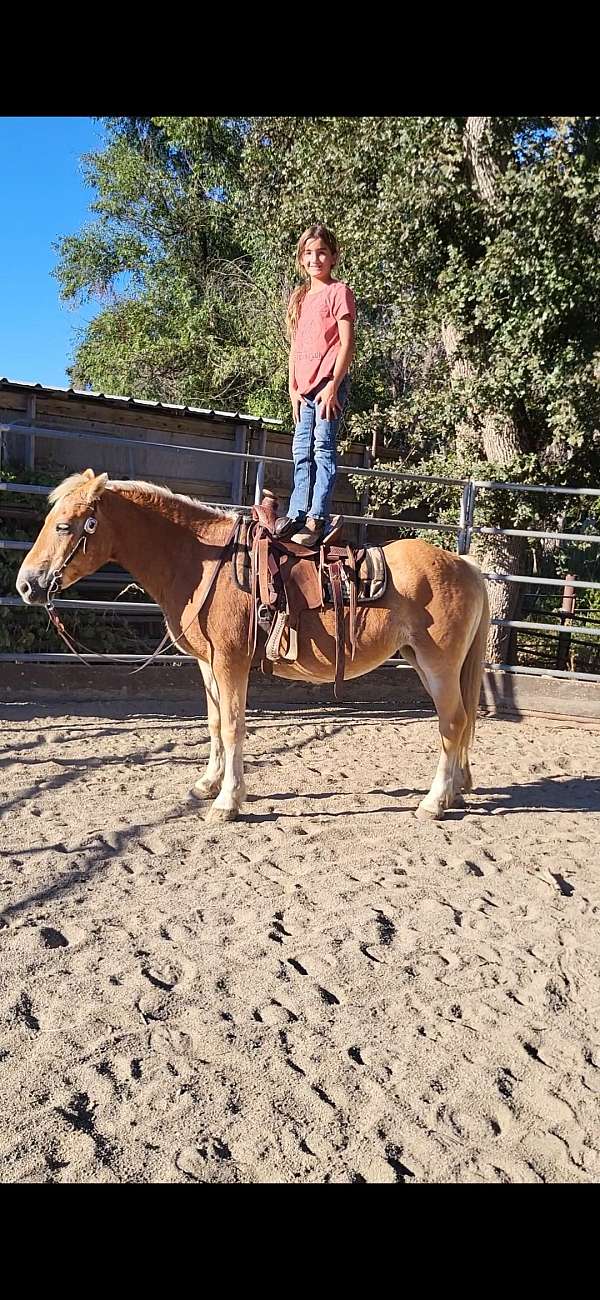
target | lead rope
[{"x": 62, "y": 632}]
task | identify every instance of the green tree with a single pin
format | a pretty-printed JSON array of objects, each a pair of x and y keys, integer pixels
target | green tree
[
  {"x": 171, "y": 323},
  {"x": 471, "y": 244}
]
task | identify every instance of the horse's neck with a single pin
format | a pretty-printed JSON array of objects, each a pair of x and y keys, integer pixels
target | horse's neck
[{"x": 153, "y": 547}]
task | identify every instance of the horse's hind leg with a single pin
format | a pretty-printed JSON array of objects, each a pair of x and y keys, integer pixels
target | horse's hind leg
[
  {"x": 232, "y": 685},
  {"x": 465, "y": 782},
  {"x": 450, "y": 777},
  {"x": 462, "y": 775},
  {"x": 209, "y": 784}
]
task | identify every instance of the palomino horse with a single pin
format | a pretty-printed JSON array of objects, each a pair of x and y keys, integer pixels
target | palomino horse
[{"x": 435, "y": 611}]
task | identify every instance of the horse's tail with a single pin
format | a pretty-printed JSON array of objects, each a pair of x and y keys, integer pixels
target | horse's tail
[{"x": 471, "y": 674}]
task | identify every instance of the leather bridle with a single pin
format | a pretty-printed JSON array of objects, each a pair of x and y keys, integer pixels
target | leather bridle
[{"x": 89, "y": 527}]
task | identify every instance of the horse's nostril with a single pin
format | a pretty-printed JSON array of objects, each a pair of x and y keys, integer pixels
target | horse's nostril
[{"x": 24, "y": 587}]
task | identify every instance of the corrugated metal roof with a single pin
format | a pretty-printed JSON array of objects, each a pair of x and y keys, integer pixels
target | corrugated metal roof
[{"x": 136, "y": 403}]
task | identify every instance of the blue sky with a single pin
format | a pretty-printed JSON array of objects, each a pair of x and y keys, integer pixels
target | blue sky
[{"x": 42, "y": 196}]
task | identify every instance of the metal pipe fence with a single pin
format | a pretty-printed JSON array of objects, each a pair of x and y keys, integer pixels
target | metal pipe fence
[{"x": 464, "y": 529}]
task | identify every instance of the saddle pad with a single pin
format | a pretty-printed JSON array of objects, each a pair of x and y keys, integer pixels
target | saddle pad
[
  {"x": 372, "y": 579},
  {"x": 372, "y": 572}
]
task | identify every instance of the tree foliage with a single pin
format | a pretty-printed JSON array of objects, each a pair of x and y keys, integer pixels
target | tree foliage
[
  {"x": 191, "y": 251},
  {"x": 154, "y": 256}
]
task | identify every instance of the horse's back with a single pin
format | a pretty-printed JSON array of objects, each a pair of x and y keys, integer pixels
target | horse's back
[{"x": 415, "y": 564}]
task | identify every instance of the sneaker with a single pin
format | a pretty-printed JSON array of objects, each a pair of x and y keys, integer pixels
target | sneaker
[
  {"x": 310, "y": 537},
  {"x": 285, "y": 526}
]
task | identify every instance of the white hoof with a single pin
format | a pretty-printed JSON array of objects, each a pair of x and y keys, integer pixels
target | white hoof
[
  {"x": 425, "y": 814},
  {"x": 205, "y": 789},
  {"x": 216, "y": 815}
]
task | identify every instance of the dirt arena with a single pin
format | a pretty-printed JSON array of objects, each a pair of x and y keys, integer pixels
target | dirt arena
[{"x": 327, "y": 990}]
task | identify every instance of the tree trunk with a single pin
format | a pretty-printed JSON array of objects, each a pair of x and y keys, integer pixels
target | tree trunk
[
  {"x": 501, "y": 555},
  {"x": 483, "y": 169},
  {"x": 487, "y": 433}
]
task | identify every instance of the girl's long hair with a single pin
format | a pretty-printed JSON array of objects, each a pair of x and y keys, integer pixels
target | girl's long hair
[{"x": 316, "y": 231}]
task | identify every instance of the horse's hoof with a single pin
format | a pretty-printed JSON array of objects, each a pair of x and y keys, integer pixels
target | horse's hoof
[
  {"x": 204, "y": 791},
  {"x": 429, "y": 814},
  {"x": 458, "y": 802},
  {"x": 216, "y": 815}
]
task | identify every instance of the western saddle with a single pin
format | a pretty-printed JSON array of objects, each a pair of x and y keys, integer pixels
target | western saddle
[{"x": 285, "y": 579}]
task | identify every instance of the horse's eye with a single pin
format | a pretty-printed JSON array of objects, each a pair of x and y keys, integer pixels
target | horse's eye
[{"x": 64, "y": 528}]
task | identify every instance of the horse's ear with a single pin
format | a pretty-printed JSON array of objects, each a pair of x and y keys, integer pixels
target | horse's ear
[
  {"x": 88, "y": 474},
  {"x": 96, "y": 487}
]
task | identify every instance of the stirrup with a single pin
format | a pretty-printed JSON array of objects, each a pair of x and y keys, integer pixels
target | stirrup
[
  {"x": 272, "y": 647},
  {"x": 292, "y": 651}
]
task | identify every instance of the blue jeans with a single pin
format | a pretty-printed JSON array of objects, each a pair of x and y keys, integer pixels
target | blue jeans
[{"x": 314, "y": 453}]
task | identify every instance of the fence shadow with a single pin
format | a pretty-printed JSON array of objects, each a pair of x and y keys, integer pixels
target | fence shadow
[{"x": 549, "y": 794}]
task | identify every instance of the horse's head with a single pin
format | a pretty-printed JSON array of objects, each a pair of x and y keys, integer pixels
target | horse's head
[{"x": 72, "y": 541}]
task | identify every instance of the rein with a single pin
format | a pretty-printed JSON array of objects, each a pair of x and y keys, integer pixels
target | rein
[{"x": 89, "y": 527}]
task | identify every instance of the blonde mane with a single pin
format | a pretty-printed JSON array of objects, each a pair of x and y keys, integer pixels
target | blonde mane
[
  {"x": 68, "y": 485},
  {"x": 150, "y": 494}
]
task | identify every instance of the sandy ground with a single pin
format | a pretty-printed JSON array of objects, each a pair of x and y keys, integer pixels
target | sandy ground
[{"x": 327, "y": 990}]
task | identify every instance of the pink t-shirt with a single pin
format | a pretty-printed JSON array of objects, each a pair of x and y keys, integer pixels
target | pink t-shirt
[{"x": 317, "y": 338}]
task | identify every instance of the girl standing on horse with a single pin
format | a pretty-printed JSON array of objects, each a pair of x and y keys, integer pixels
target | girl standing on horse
[{"x": 320, "y": 319}]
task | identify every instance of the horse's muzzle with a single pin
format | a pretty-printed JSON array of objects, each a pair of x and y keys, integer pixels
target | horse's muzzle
[{"x": 32, "y": 586}]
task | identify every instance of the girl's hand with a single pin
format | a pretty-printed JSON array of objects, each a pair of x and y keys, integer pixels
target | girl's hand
[
  {"x": 296, "y": 401},
  {"x": 330, "y": 404}
]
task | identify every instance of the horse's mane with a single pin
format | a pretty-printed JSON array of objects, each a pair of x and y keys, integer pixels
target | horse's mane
[
  {"x": 68, "y": 485},
  {"x": 150, "y": 494}
]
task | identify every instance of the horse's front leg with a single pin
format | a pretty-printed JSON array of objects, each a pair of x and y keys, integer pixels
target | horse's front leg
[
  {"x": 209, "y": 784},
  {"x": 232, "y": 684}
]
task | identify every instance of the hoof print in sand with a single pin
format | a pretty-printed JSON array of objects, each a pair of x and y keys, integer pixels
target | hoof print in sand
[
  {"x": 52, "y": 938},
  {"x": 23, "y": 1012},
  {"x": 166, "y": 978}
]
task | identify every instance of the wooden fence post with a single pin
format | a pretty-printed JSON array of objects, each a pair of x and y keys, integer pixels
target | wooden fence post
[{"x": 567, "y": 610}]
